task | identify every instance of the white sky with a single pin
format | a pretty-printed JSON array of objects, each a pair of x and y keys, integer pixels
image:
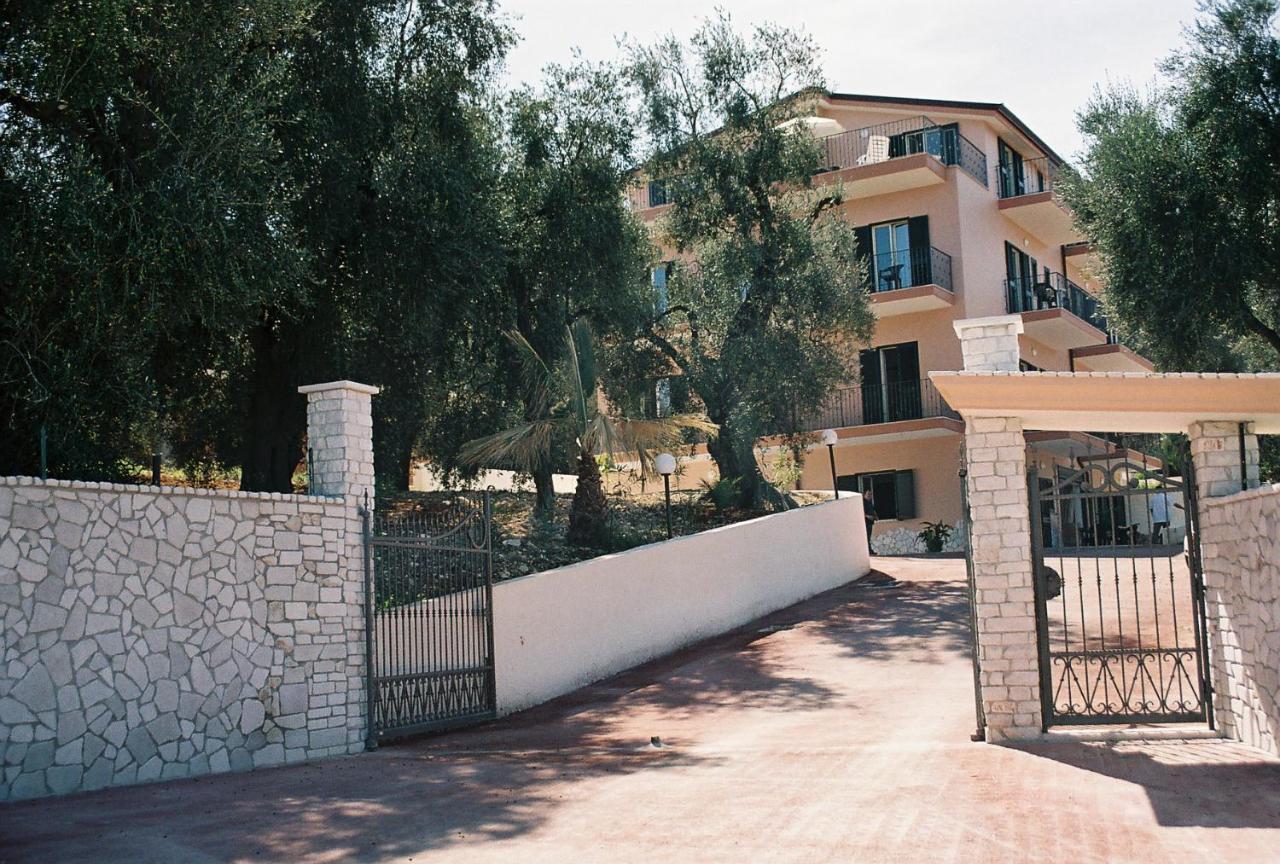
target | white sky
[{"x": 1041, "y": 58}]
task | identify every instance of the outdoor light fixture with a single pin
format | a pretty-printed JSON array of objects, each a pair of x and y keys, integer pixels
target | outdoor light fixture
[
  {"x": 829, "y": 437},
  {"x": 665, "y": 464}
]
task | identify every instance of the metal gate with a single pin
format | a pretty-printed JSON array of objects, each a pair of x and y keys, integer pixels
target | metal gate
[
  {"x": 1119, "y": 589},
  {"x": 429, "y": 616}
]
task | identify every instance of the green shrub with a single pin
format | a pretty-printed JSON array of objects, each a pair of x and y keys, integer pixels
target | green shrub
[{"x": 935, "y": 535}]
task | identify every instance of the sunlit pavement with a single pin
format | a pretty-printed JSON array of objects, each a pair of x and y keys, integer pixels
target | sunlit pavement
[{"x": 837, "y": 730}]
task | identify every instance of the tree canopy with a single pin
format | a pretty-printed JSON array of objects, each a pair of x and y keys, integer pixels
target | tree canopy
[
  {"x": 1180, "y": 191},
  {"x": 765, "y": 302}
]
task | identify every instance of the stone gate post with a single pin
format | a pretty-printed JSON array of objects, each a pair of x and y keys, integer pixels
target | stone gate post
[
  {"x": 1004, "y": 602},
  {"x": 340, "y": 439}
]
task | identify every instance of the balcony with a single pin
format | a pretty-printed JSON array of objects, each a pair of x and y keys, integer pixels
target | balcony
[
  {"x": 900, "y": 155},
  {"x": 1057, "y": 312},
  {"x": 916, "y": 405},
  {"x": 909, "y": 280},
  {"x": 1111, "y": 357},
  {"x": 1027, "y": 197}
]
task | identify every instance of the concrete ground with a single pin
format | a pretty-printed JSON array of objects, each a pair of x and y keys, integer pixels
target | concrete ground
[{"x": 837, "y": 730}]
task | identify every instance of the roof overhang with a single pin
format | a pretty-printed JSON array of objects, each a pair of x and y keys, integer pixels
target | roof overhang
[{"x": 1115, "y": 401}]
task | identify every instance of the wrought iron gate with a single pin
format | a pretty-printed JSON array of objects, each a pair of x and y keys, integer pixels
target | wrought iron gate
[
  {"x": 1119, "y": 590},
  {"x": 429, "y": 616}
]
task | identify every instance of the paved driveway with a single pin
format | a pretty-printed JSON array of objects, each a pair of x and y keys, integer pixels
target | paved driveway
[{"x": 837, "y": 730}]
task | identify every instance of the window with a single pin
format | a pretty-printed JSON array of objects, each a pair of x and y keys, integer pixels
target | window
[
  {"x": 1012, "y": 176},
  {"x": 1024, "y": 291},
  {"x": 893, "y": 493},
  {"x": 896, "y": 253},
  {"x": 1024, "y": 366},
  {"x": 891, "y": 383}
]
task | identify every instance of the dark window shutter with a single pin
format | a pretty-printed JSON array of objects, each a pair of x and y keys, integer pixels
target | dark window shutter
[
  {"x": 905, "y": 492},
  {"x": 863, "y": 236},
  {"x": 921, "y": 261}
]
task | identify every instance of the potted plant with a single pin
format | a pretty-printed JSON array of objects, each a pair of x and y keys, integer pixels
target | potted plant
[{"x": 935, "y": 536}]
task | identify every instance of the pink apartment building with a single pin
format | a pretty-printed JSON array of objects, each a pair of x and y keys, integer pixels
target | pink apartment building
[{"x": 956, "y": 214}]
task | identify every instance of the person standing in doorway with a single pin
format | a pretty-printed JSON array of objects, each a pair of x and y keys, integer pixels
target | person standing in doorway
[{"x": 869, "y": 514}]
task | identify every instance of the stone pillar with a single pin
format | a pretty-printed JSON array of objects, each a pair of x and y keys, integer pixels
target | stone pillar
[
  {"x": 340, "y": 436},
  {"x": 1215, "y": 451},
  {"x": 1004, "y": 601},
  {"x": 990, "y": 344}
]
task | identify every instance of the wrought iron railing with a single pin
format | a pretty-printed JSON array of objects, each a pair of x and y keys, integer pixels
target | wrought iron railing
[
  {"x": 870, "y": 403},
  {"x": 1026, "y": 177},
  {"x": 1055, "y": 291},
  {"x": 907, "y": 268},
  {"x": 893, "y": 140}
]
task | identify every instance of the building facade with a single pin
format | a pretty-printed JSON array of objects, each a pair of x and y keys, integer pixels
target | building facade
[{"x": 957, "y": 217}]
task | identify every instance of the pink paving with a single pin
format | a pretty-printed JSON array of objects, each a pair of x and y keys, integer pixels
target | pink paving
[{"x": 837, "y": 730}]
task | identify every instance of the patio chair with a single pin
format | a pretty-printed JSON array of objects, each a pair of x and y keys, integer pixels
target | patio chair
[
  {"x": 1046, "y": 296},
  {"x": 877, "y": 150},
  {"x": 891, "y": 277}
]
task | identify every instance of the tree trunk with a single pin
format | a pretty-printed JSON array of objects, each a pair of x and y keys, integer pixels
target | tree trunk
[
  {"x": 587, "y": 517},
  {"x": 735, "y": 459},
  {"x": 544, "y": 505},
  {"x": 276, "y": 418}
]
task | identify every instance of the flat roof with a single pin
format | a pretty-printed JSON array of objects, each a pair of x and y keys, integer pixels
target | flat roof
[{"x": 1116, "y": 401}]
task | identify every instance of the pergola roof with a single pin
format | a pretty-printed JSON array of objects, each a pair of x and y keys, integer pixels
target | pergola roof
[{"x": 1115, "y": 401}]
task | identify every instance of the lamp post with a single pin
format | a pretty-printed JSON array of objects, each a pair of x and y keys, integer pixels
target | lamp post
[
  {"x": 829, "y": 437},
  {"x": 665, "y": 464}
]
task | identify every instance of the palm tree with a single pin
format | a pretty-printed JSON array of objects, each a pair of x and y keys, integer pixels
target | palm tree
[{"x": 568, "y": 407}]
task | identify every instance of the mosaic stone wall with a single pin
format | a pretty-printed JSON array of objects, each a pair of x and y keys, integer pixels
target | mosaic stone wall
[
  {"x": 151, "y": 634},
  {"x": 1240, "y": 545}
]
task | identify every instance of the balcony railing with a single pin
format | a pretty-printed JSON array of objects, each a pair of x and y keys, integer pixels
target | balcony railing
[
  {"x": 907, "y": 268},
  {"x": 886, "y": 141},
  {"x": 878, "y": 403},
  {"x": 1055, "y": 291},
  {"x": 1026, "y": 178}
]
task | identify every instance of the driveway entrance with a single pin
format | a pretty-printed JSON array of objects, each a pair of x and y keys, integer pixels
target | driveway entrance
[{"x": 837, "y": 730}]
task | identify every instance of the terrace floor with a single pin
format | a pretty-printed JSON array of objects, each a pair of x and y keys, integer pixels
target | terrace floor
[{"x": 837, "y": 730}]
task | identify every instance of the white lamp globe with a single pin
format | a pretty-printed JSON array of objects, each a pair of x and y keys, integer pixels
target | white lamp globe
[
  {"x": 829, "y": 437},
  {"x": 665, "y": 464}
]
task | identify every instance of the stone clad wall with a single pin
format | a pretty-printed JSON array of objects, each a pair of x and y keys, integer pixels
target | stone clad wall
[
  {"x": 1240, "y": 545},
  {"x": 157, "y": 633}
]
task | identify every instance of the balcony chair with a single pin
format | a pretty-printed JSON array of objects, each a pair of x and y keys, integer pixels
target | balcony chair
[
  {"x": 877, "y": 150},
  {"x": 891, "y": 277},
  {"x": 1046, "y": 296}
]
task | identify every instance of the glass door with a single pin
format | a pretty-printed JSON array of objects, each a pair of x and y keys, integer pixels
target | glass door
[{"x": 891, "y": 252}]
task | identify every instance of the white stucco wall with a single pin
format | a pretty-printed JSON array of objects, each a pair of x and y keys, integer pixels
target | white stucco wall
[{"x": 559, "y": 630}]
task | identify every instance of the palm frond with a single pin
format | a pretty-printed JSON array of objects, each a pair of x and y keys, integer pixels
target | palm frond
[
  {"x": 526, "y": 445},
  {"x": 578, "y": 393},
  {"x": 537, "y": 377}
]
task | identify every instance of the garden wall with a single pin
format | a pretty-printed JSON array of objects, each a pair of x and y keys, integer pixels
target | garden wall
[
  {"x": 1240, "y": 545},
  {"x": 561, "y": 629},
  {"x": 167, "y": 632}
]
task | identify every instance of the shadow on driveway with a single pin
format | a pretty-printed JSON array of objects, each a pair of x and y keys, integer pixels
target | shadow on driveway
[{"x": 1208, "y": 783}]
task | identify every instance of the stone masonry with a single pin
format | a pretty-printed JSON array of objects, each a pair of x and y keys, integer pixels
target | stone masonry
[
  {"x": 995, "y": 451},
  {"x": 1240, "y": 548},
  {"x": 1215, "y": 450},
  {"x": 152, "y": 633},
  {"x": 990, "y": 344},
  {"x": 1004, "y": 602}
]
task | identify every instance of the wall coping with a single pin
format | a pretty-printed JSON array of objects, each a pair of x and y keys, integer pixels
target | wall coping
[
  {"x": 1233, "y": 376},
  {"x": 137, "y": 488},
  {"x": 1012, "y": 322},
  {"x": 1264, "y": 491},
  {"x": 339, "y": 385},
  {"x": 690, "y": 539}
]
